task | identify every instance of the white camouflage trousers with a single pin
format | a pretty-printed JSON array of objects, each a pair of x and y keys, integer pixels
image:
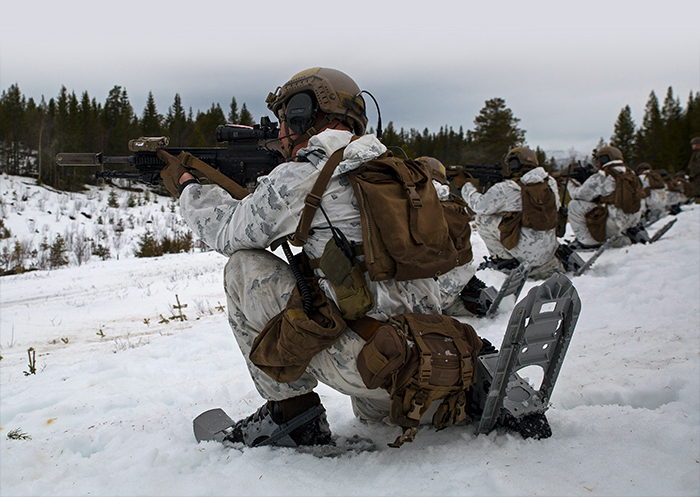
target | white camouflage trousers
[
  {"x": 617, "y": 222},
  {"x": 258, "y": 285}
]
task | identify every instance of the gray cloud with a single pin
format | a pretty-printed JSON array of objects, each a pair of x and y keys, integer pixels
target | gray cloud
[{"x": 566, "y": 71}]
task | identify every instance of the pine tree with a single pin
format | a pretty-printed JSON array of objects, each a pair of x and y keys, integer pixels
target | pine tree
[
  {"x": 12, "y": 107},
  {"x": 233, "y": 116},
  {"x": 496, "y": 131},
  {"x": 246, "y": 118},
  {"x": 674, "y": 143},
  {"x": 57, "y": 256},
  {"x": 649, "y": 138},
  {"x": 623, "y": 137},
  {"x": 176, "y": 122},
  {"x": 151, "y": 122}
]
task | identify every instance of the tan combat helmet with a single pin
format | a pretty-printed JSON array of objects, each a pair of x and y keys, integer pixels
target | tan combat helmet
[
  {"x": 607, "y": 154},
  {"x": 436, "y": 168},
  {"x": 521, "y": 158},
  {"x": 333, "y": 92},
  {"x": 644, "y": 166}
]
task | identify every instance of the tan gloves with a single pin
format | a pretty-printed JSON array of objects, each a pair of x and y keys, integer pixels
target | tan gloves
[{"x": 172, "y": 172}]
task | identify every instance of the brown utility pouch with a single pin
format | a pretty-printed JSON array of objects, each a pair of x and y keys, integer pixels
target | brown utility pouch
[
  {"x": 510, "y": 229},
  {"x": 349, "y": 284},
  {"x": 420, "y": 358},
  {"x": 539, "y": 206},
  {"x": 286, "y": 345},
  {"x": 595, "y": 222},
  {"x": 562, "y": 218}
]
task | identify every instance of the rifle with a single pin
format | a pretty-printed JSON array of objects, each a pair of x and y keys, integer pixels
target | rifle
[
  {"x": 487, "y": 175},
  {"x": 580, "y": 173},
  {"x": 246, "y": 157}
]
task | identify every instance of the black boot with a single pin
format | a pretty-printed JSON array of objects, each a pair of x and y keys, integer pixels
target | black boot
[
  {"x": 287, "y": 423},
  {"x": 471, "y": 294}
]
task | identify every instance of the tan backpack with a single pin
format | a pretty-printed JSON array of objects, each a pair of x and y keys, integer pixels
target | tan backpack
[
  {"x": 628, "y": 190},
  {"x": 407, "y": 232},
  {"x": 539, "y": 212}
]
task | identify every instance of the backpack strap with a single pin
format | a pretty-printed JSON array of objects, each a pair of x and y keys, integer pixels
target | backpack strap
[{"x": 313, "y": 200}]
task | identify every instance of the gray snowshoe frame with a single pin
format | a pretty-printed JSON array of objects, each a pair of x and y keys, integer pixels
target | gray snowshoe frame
[{"x": 538, "y": 334}]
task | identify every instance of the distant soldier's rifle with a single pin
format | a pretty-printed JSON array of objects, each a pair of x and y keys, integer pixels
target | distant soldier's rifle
[
  {"x": 486, "y": 175},
  {"x": 579, "y": 173},
  {"x": 246, "y": 157}
]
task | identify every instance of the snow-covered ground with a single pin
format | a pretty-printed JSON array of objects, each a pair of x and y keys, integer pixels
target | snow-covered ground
[{"x": 119, "y": 379}]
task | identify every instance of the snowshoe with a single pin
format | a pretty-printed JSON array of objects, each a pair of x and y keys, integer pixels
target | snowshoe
[
  {"x": 637, "y": 234},
  {"x": 268, "y": 426},
  {"x": 662, "y": 231},
  {"x": 483, "y": 301},
  {"x": 569, "y": 258},
  {"x": 538, "y": 334},
  {"x": 610, "y": 242}
]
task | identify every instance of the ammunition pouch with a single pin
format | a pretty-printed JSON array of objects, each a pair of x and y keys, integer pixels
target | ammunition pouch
[
  {"x": 348, "y": 281},
  {"x": 420, "y": 358}
]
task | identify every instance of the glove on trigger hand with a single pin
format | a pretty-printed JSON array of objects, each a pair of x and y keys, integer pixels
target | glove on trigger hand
[{"x": 172, "y": 172}]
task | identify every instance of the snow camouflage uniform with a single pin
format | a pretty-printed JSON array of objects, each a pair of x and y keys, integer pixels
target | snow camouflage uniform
[
  {"x": 655, "y": 204},
  {"x": 583, "y": 200},
  {"x": 676, "y": 191},
  {"x": 258, "y": 284},
  {"x": 537, "y": 248},
  {"x": 452, "y": 303}
]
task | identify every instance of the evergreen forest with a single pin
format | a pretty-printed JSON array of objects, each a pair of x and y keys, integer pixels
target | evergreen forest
[{"x": 32, "y": 133}]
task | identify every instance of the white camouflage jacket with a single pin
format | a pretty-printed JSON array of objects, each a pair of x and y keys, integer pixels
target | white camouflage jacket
[
  {"x": 597, "y": 185},
  {"x": 505, "y": 196},
  {"x": 273, "y": 210}
]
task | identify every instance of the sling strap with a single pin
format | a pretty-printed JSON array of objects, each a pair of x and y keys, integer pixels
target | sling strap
[
  {"x": 236, "y": 190},
  {"x": 313, "y": 200}
]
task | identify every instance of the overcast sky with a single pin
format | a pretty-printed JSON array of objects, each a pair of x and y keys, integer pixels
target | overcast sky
[{"x": 566, "y": 69}]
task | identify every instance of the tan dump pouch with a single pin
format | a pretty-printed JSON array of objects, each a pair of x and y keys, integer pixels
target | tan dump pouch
[
  {"x": 510, "y": 229},
  {"x": 419, "y": 358},
  {"x": 286, "y": 345},
  {"x": 595, "y": 222}
]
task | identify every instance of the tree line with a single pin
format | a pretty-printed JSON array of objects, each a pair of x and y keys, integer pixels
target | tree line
[
  {"x": 31, "y": 133},
  {"x": 663, "y": 139}
]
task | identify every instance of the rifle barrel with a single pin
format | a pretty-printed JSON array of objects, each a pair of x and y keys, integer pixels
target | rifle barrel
[{"x": 88, "y": 159}]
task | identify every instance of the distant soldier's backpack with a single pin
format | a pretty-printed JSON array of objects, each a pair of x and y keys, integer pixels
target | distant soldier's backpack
[
  {"x": 628, "y": 190},
  {"x": 539, "y": 212}
]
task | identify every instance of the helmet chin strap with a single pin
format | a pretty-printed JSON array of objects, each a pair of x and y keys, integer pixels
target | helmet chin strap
[{"x": 288, "y": 149}]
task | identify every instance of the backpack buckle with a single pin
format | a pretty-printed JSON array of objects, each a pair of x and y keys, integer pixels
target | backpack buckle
[
  {"x": 413, "y": 196},
  {"x": 312, "y": 201}
]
